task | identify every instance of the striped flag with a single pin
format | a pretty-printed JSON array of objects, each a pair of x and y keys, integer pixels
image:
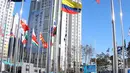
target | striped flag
[
  {"x": 24, "y": 25},
  {"x": 71, "y": 7},
  {"x": 24, "y": 38},
  {"x": 34, "y": 39}
]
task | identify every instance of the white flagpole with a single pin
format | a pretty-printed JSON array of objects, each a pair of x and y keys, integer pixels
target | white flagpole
[
  {"x": 57, "y": 35},
  {"x": 48, "y": 61},
  {"x": 115, "y": 67},
  {"x": 38, "y": 55},
  {"x": 122, "y": 31},
  {"x": 54, "y": 19},
  {"x": 17, "y": 34},
  {"x": 23, "y": 49}
]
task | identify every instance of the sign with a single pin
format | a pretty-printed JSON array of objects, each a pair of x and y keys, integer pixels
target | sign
[{"x": 91, "y": 68}]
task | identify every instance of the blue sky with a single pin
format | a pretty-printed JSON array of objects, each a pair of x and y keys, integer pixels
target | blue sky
[{"x": 96, "y": 22}]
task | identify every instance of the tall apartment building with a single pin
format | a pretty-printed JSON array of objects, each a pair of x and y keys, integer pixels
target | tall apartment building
[
  {"x": 6, "y": 16},
  {"x": 71, "y": 40}
]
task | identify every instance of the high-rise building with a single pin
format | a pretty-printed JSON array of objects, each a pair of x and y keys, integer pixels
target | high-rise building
[{"x": 6, "y": 16}]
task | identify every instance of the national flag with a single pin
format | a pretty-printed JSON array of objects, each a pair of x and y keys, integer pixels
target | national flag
[
  {"x": 45, "y": 45},
  {"x": 16, "y": 0},
  {"x": 119, "y": 49},
  {"x": 42, "y": 39},
  {"x": 34, "y": 39},
  {"x": 71, "y": 7},
  {"x": 24, "y": 41},
  {"x": 98, "y": 1},
  {"x": 53, "y": 30},
  {"x": 25, "y": 38},
  {"x": 108, "y": 50},
  {"x": 24, "y": 26}
]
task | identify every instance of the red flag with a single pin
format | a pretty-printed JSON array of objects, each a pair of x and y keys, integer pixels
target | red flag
[
  {"x": 24, "y": 41},
  {"x": 45, "y": 45},
  {"x": 98, "y": 1},
  {"x": 24, "y": 26}
]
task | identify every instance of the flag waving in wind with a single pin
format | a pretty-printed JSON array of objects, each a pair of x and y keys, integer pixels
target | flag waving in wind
[
  {"x": 71, "y": 7},
  {"x": 24, "y": 26},
  {"x": 44, "y": 43},
  {"x": 34, "y": 39}
]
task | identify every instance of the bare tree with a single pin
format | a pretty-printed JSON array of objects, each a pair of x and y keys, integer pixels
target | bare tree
[{"x": 87, "y": 52}]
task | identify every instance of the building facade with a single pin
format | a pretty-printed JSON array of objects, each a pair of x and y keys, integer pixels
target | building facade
[
  {"x": 6, "y": 16},
  {"x": 71, "y": 31}
]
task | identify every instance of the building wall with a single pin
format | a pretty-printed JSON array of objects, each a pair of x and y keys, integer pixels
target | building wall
[{"x": 6, "y": 19}]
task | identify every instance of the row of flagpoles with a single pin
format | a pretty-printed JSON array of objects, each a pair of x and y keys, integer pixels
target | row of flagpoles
[{"x": 64, "y": 6}]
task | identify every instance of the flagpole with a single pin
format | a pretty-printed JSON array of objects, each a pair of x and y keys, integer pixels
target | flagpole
[
  {"x": 38, "y": 54},
  {"x": 17, "y": 34},
  {"x": 48, "y": 61},
  {"x": 122, "y": 31},
  {"x": 54, "y": 19},
  {"x": 57, "y": 34},
  {"x": 41, "y": 59},
  {"x": 23, "y": 49},
  {"x": 12, "y": 43},
  {"x": 114, "y": 38}
]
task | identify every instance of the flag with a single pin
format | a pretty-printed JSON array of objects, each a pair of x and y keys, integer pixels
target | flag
[
  {"x": 71, "y": 7},
  {"x": 16, "y": 0},
  {"x": 24, "y": 41},
  {"x": 53, "y": 30},
  {"x": 45, "y": 45},
  {"x": 98, "y": 1},
  {"x": 34, "y": 39},
  {"x": 42, "y": 39},
  {"x": 119, "y": 49},
  {"x": 25, "y": 38},
  {"x": 108, "y": 50},
  {"x": 24, "y": 26}
]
